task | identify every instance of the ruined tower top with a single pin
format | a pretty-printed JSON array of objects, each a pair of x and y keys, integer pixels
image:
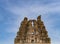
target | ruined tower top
[
  {"x": 25, "y": 18},
  {"x": 39, "y": 17},
  {"x": 32, "y": 31}
]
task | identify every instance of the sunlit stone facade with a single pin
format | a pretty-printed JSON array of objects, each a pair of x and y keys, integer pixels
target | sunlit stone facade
[{"x": 32, "y": 32}]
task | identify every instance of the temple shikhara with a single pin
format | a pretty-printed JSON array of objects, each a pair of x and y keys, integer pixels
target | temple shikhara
[{"x": 32, "y": 32}]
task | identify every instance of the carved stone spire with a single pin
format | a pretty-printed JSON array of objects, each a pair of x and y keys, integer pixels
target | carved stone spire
[
  {"x": 25, "y": 19},
  {"x": 39, "y": 17},
  {"x": 35, "y": 32}
]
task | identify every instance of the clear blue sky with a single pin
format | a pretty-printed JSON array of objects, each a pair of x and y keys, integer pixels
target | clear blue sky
[{"x": 12, "y": 13}]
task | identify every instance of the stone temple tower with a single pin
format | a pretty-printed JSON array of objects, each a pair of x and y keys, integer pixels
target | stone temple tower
[{"x": 32, "y": 32}]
